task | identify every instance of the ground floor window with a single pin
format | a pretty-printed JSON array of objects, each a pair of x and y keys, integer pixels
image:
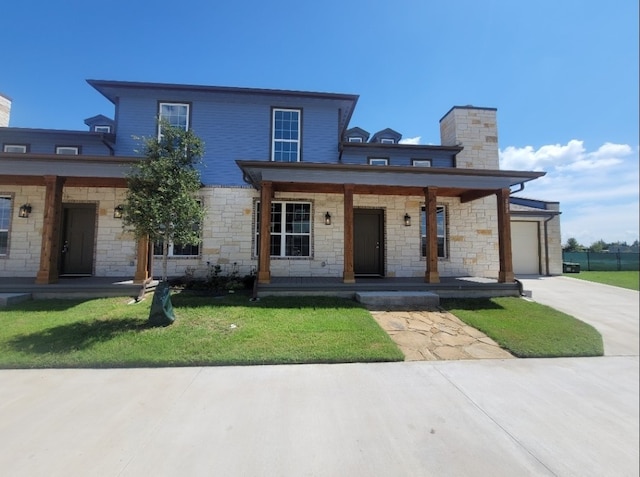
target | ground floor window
[
  {"x": 441, "y": 224},
  {"x": 5, "y": 222},
  {"x": 290, "y": 229},
  {"x": 177, "y": 250}
]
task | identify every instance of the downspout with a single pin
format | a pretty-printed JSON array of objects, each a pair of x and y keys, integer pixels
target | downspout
[
  {"x": 104, "y": 141},
  {"x": 519, "y": 190},
  {"x": 546, "y": 242}
]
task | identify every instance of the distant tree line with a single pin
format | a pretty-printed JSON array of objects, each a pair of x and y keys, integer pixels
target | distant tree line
[{"x": 573, "y": 245}]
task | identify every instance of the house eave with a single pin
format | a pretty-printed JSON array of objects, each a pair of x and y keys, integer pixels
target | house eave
[{"x": 468, "y": 184}]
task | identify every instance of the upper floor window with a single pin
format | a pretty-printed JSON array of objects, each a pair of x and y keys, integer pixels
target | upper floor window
[
  {"x": 290, "y": 229},
  {"x": 16, "y": 148},
  {"x": 67, "y": 150},
  {"x": 378, "y": 161},
  {"x": 355, "y": 139},
  {"x": 441, "y": 225},
  {"x": 176, "y": 114},
  {"x": 5, "y": 221},
  {"x": 387, "y": 141},
  {"x": 286, "y": 135},
  {"x": 102, "y": 129},
  {"x": 421, "y": 162}
]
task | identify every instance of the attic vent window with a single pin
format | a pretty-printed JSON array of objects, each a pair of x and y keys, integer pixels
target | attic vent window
[
  {"x": 355, "y": 139},
  {"x": 15, "y": 148},
  {"x": 102, "y": 129},
  {"x": 68, "y": 150},
  {"x": 387, "y": 141}
]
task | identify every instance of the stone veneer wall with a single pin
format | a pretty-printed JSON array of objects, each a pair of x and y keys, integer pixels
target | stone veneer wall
[
  {"x": 5, "y": 111},
  {"x": 228, "y": 235},
  {"x": 474, "y": 129}
]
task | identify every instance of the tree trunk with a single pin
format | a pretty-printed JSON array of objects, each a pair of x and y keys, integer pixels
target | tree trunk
[{"x": 165, "y": 254}]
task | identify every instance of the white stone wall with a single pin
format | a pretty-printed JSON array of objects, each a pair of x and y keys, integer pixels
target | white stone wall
[
  {"x": 228, "y": 235},
  {"x": 476, "y": 130},
  {"x": 25, "y": 234}
]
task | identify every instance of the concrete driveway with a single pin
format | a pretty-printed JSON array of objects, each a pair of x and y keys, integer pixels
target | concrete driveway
[
  {"x": 512, "y": 417},
  {"x": 613, "y": 311}
]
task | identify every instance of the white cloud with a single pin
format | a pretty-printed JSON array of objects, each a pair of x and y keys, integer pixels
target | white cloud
[
  {"x": 597, "y": 190},
  {"x": 410, "y": 140}
]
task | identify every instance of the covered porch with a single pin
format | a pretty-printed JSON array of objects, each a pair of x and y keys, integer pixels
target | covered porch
[{"x": 348, "y": 180}]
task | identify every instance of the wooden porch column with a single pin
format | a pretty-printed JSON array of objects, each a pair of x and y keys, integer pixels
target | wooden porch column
[
  {"x": 50, "y": 248},
  {"x": 264, "y": 252},
  {"x": 431, "y": 274},
  {"x": 348, "y": 275},
  {"x": 504, "y": 238},
  {"x": 142, "y": 261}
]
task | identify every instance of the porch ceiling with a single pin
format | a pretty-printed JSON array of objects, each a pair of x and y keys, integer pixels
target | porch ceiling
[
  {"x": 79, "y": 170},
  {"x": 468, "y": 184}
]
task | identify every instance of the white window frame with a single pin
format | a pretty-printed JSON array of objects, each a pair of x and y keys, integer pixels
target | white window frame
[
  {"x": 15, "y": 148},
  {"x": 170, "y": 252},
  {"x": 421, "y": 162},
  {"x": 102, "y": 129},
  {"x": 283, "y": 234},
  {"x": 385, "y": 140},
  {"x": 162, "y": 116},
  {"x": 355, "y": 139},
  {"x": 442, "y": 232},
  {"x": 378, "y": 161},
  {"x": 283, "y": 141},
  {"x": 5, "y": 221},
  {"x": 68, "y": 150}
]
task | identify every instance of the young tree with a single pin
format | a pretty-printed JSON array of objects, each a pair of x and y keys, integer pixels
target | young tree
[{"x": 161, "y": 201}]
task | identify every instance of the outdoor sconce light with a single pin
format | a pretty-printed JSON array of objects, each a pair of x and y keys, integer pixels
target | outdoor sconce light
[
  {"x": 24, "y": 211},
  {"x": 117, "y": 212},
  {"x": 327, "y": 219},
  {"x": 407, "y": 220}
]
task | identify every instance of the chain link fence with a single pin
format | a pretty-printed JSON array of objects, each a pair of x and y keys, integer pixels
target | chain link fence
[{"x": 603, "y": 261}]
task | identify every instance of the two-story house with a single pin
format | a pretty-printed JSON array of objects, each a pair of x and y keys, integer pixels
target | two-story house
[{"x": 290, "y": 190}]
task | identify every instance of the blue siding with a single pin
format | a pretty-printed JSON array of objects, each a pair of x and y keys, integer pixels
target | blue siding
[
  {"x": 45, "y": 141},
  {"x": 232, "y": 127},
  {"x": 398, "y": 157}
]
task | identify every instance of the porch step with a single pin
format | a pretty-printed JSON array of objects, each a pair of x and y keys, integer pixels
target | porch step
[
  {"x": 13, "y": 298},
  {"x": 396, "y": 300}
]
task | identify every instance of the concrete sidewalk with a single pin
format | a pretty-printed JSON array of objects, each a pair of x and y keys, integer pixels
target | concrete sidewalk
[{"x": 557, "y": 417}]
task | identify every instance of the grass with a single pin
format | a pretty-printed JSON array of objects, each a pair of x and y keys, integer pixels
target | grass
[
  {"x": 528, "y": 329},
  {"x": 208, "y": 331},
  {"x": 623, "y": 279}
]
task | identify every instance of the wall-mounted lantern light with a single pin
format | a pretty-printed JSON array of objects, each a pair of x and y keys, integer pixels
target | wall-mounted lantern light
[
  {"x": 24, "y": 211},
  {"x": 407, "y": 220},
  {"x": 327, "y": 219},
  {"x": 117, "y": 212}
]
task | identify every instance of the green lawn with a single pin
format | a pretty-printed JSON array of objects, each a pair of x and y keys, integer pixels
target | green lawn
[
  {"x": 624, "y": 279},
  {"x": 528, "y": 329},
  {"x": 208, "y": 331}
]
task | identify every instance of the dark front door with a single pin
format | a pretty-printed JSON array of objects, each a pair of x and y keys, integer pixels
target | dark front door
[
  {"x": 78, "y": 232},
  {"x": 368, "y": 242}
]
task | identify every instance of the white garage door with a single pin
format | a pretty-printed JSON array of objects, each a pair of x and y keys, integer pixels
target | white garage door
[{"x": 525, "y": 248}]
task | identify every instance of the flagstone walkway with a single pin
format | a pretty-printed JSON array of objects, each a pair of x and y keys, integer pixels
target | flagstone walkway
[{"x": 437, "y": 335}]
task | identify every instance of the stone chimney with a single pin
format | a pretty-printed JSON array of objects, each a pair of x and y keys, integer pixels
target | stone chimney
[
  {"x": 5, "y": 110},
  {"x": 474, "y": 129}
]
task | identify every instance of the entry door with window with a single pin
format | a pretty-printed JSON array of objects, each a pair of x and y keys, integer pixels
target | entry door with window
[
  {"x": 78, "y": 233},
  {"x": 368, "y": 242}
]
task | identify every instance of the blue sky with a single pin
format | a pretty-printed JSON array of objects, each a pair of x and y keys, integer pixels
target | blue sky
[{"x": 562, "y": 73}]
